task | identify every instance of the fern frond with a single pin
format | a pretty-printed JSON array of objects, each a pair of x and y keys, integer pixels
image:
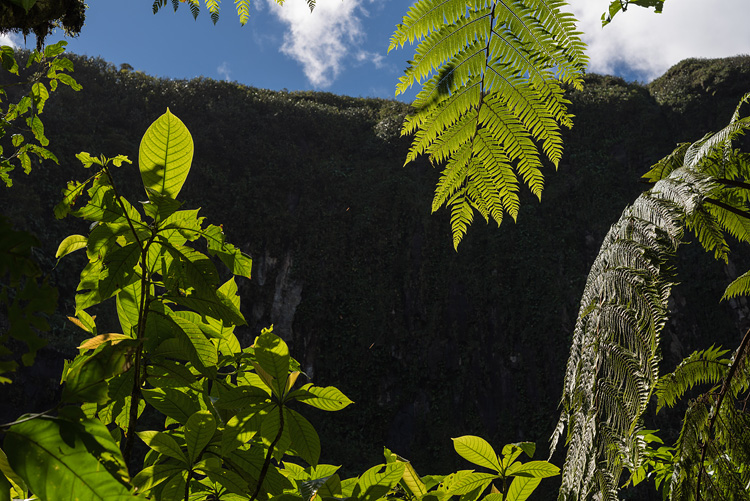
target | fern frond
[
  {"x": 491, "y": 73},
  {"x": 243, "y": 10},
  {"x": 613, "y": 369},
  {"x": 739, "y": 287},
  {"x": 701, "y": 367}
]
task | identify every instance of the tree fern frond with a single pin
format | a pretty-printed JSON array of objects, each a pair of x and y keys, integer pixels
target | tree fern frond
[
  {"x": 709, "y": 233},
  {"x": 623, "y": 310},
  {"x": 739, "y": 287},
  {"x": 613, "y": 369},
  {"x": 498, "y": 63},
  {"x": 701, "y": 367},
  {"x": 243, "y": 10},
  {"x": 736, "y": 114},
  {"x": 158, "y": 4},
  {"x": 661, "y": 169}
]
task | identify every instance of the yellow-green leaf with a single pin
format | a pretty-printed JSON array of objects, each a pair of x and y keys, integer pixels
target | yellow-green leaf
[{"x": 165, "y": 155}]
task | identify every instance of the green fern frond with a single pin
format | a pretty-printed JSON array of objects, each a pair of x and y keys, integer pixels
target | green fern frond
[
  {"x": 491, "y": 94},
  {"x": 701, "y": 367},
  {"x": 664, "y": 167},
  {"x": 739, "y": 287},
  {"x": 213, "y": 9},
  {"x": 243, "y": 10}
]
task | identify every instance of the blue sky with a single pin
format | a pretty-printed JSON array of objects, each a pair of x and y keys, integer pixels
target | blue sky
[{"x": 341, "y": 46}]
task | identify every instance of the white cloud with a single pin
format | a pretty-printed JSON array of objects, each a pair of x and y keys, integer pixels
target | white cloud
[
  {"x": 647, "y": 44},
  {"x": 322, "y": 40},
  {"x": 11, "y": 39},
  {"x": 224, "y": 71}
]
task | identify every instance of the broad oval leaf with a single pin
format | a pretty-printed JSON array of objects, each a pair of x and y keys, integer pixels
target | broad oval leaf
[
  {"x": 165, "y": 155},
  {"x": 199, "y": 430},
  {"x": 478, "y": 451}
]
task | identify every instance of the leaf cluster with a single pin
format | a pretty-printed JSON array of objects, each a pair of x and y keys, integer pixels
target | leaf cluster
[{"x": 20, "y": 121}]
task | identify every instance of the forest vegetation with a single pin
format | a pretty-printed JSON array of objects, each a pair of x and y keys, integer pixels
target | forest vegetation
[{"x": 359, "y": 281}]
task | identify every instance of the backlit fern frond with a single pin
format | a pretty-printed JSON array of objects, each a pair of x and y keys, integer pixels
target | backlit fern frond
[
  {"x": 613, "y": 370},
  {"x": 214, "y": 8},
  {"x": 491, "y": 104}
]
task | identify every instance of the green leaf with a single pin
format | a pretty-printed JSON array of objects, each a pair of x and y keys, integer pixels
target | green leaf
[
  {"x": 151, "y": 476},
  {"x": 327, "y": 398},
  {"x": 472, "y": 481},
  {"x": 71, "y": 244},
  {"x": 172, "y": 403},
  {"x": 165, "y": 155},
  {"x": 478, "y": 451},
  {"x": 521, "y": 488},
  {"x": 373, "y": 484},
  {"x": 163, "y": 444},
  {"x": 533, "y": 469},
  {"x": 204, "y": 348},
  {"x": 86, "y": 377},
  {"x": 199, "y": 430},
  {"x": 230, "y": 480},
  {"x": 15, "y": 484},
  {"x": 272, "y": 354},
  {"x": 305, "y": 440},
  {"x": 57, "y": 457},
  {"x": 241, "y": 397}
]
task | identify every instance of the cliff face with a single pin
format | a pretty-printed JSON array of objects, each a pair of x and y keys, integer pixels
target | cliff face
[{"x": 361, "y": 280}]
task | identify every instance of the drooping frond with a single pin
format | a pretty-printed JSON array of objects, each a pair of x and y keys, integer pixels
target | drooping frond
[
  {"x": 214, "y": 8},
  {"x": 612, "y": 371},
  {"x": 491, "y": 97}
]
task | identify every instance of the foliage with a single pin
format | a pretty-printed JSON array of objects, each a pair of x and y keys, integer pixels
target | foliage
[
  {"x": 214, "y": 6},
  {"x": 617, "y": 6},
  {"x": 49, "y": 70},
  {"x": 228, "y": 412},
  {"x": 613, "y": 367},
  {"x": 25, "y": 297},
  {"x": 491, "y": 98},
  {"x": 41, "y": 17}
]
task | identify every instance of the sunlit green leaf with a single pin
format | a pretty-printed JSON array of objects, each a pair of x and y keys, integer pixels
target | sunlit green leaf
[
  {"x": 163, "y": 444},
  {"x": 56, "y": 458},
  {"x": 199, "y": 430},
  {"x": 478, "y": 451},
  {"x": 305, "y": 440},
  {"x": 165, "y": 155}
]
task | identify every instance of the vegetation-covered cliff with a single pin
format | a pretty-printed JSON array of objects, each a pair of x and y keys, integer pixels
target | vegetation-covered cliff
[{"x": 357, "y": 276}]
